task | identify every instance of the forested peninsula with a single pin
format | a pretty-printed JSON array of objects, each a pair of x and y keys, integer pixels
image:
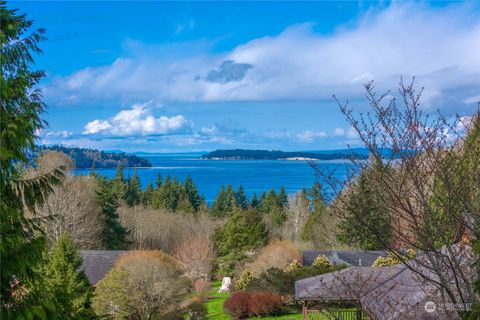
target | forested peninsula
[
  {"x": 245, "y": 154},
  {"x": 86, "y": 158}
]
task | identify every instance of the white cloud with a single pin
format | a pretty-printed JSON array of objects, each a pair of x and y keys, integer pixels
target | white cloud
[
  {"x": 438, "y": 45},
  {"x": 58, "y": 134},
  {"x": 310, "y": 136},
  {"x": 472, "y": 99},
  {"x": 338, "y": 132},
  {"x": 137, "y": 121}
]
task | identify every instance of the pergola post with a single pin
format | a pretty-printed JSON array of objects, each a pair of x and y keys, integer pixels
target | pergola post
[{"x": 304, "y": 310}]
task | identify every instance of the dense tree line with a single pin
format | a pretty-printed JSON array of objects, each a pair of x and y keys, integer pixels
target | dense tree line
[
  {"x": 246, "y": 154},
  {"x": 88, "y": 158}
]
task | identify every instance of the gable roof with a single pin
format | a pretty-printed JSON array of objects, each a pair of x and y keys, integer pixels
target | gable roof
[
  {"x": 97, "y": 263},
  {"x": 350, "y": 258}
]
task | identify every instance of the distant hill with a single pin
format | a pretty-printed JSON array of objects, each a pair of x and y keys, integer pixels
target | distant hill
[
  {"x": 84, "y": 158},
  {"x": 245, "y": 154}
]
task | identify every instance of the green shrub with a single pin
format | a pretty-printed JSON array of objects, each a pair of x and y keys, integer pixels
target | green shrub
[
  {"x": 274, "y": 280},
  {"x": 391, "y": 259},
  {"x": 243, "y": 281},
  {"x": 294, "y": 265}
]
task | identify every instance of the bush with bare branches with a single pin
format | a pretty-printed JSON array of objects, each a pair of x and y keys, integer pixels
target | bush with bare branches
[
  {"x": 72, "y": 206},
  {"x": 196, "y": 252},
  {"x": 277, "y": 254}
]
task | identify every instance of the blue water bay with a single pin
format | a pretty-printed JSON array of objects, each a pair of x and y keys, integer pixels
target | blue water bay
[{"x": 255, "y": 176}]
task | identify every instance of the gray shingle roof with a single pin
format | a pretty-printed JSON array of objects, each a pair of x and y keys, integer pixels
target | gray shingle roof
[
  {"x": 350, "y": 258},
  {"x": 97, "y": 263},
  {"x": 389, "y": 293}
]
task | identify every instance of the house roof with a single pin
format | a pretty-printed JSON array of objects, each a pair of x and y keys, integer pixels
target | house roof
[
  {"x": 391, "y": 292},
  {"x": 97, "y": 263},
  {"x": 350, "y": 258}
]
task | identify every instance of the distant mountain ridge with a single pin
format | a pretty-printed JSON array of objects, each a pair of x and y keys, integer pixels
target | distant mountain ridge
[
  {"x": 246, "y": 154},
  {"x": 85, "y": 157}
]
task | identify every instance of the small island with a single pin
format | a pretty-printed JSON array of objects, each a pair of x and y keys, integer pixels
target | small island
[
  {"x": 86, "y": 158},
  {"x": 245, "y": 154}
]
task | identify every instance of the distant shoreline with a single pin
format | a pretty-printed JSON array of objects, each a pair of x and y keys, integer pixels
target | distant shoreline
[{"x": 245, "y": 154}]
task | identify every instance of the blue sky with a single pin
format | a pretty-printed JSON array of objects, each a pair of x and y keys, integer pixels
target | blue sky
[{"x": 190, "y": 76}]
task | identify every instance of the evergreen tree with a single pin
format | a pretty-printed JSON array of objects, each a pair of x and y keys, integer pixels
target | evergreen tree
[
  {"x": 192, "y": 194},
  {"x": 158, "y": 183},
  {"x": 147, "y": 195},
  {"x": 282, "y": 198},
  {"x": 365, "y": 212},
  {"x": 120, "y": 187},
  {"x": 241, "y": 200},
  {"x": 21, "y": 242},
  {"x": 61, "y": 280},
  {"x": 319, "y": 212},
  {"x": 219, "y": 208},
  {"x": 271, "y": 206},
  {"x": 244, "y": 231},
  {"x": 230, "y": 198},
  {"x": 114, "y": 235},
  {"x": 133, "y": 193},
  {"x": 254, "y": 203}
]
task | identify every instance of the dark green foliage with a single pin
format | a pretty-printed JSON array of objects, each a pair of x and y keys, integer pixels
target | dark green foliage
[
  {"x": 282, "y": 282},
  {"x": 190, "y": 192},
  {"x": 273, "y": 205},
  {"x": 365, "y": 216},
  {"x": 133, "y": 192},
  {"x": 275, "y": 155},
  {"x": 254, "y": 203},
  {"x": 61, "y": 280},
  {"x": 243, "y": 232},
  {"x": 119, "y": 183},
  {"x": 224, "y": 203},
  {"x": 147, "y": 195},
  {"x": 241, "y": 200},
  {"x": 173, "y": 195},
  {"x": 274, "y": 280},
  {"x": 319, "y": 211},
  {"x": 114, "y": 235},
  {"x": 88, "y": 158},
  {"x": 21, "y": 244}
]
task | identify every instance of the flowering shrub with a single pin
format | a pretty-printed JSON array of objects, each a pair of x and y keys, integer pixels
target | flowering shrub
[
  {"x": 244, "y": 304},
  {"x": 294, "y": 266},
  {"x": 321, "y": 262},
  {"x": 245, "y": 278},
  {"x": 391, "y": 259}
]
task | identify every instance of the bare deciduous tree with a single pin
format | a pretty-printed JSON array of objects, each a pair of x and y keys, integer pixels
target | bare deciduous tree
[
  {"x": 72, "y": 206},
  {"x": 428, "y": 190},
  {"x": 298, "y": 211},
  {"x": 196, "y": 252}
]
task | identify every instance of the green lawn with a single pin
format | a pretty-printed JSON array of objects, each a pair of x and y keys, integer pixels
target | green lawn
[
  {"x": 215, "y": 303},
  {"x": 215, "y": 307}
]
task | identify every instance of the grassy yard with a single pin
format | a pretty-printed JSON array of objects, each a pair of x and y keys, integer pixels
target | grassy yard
[{"x": 215, "y": 307}]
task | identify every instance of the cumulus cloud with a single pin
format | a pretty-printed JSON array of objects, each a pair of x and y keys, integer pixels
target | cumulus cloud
[
  {"x": 438, "y": 45},
  {"x": 137, "y": 121}
]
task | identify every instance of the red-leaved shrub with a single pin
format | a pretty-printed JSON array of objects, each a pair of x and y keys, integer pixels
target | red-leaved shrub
[{"x": 244, "y": 304}]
